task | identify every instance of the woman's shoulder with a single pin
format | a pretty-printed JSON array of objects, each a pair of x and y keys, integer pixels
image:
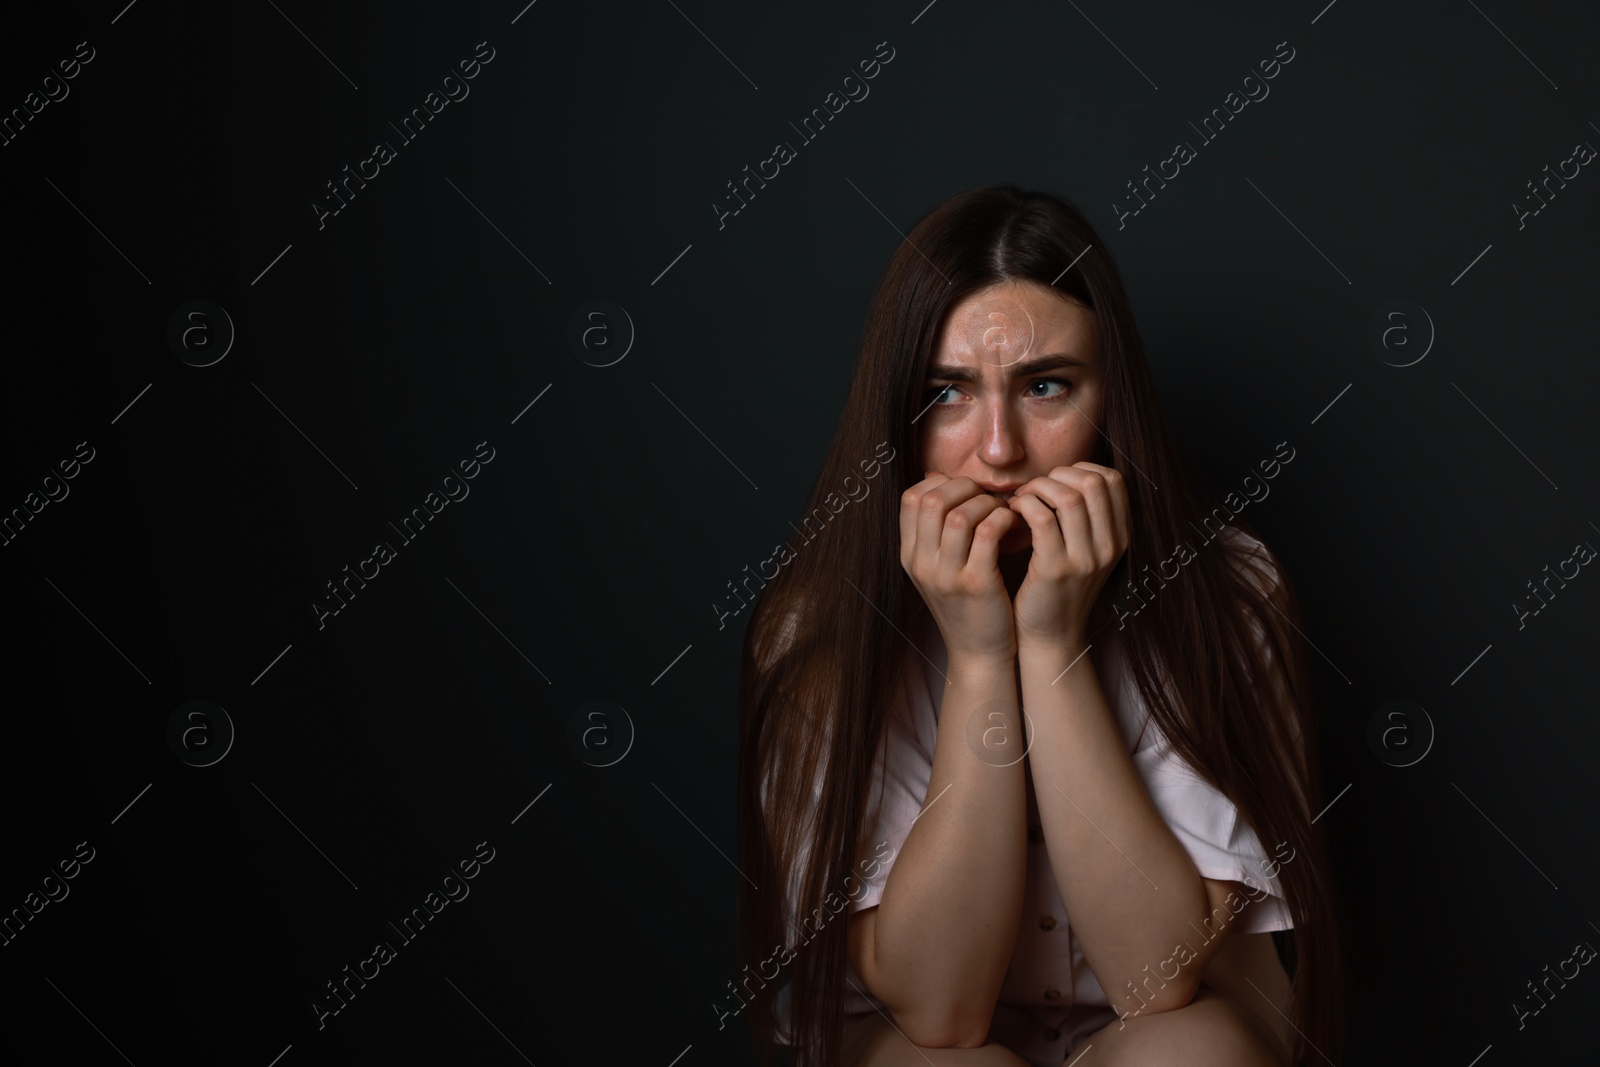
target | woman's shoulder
[
  {"x": 1255, "y": 559},
  {"x": 776, "y": 636},
  {"x": 1241, "y": 539}
]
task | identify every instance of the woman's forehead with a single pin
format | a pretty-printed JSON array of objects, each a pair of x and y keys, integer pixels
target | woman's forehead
[{"x": 1009, "y": 323}]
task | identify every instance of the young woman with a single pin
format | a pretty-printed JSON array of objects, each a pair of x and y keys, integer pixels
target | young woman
[{"x": 1027, "y": 753}]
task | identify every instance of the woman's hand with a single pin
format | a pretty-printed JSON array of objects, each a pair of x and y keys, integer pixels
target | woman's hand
[
  {"x": 1078, "y": 516},
  {"x": 950, "y": 532}
]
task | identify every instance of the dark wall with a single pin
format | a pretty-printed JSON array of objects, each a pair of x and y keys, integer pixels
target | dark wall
[{"x": 433, "y": 327}]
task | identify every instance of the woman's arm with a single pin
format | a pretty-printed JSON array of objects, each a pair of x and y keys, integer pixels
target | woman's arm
[
  {"x": 936, "y": 947},
  {"x": 1131, "y": 890},
  {"x": 1133, "y": 894}
]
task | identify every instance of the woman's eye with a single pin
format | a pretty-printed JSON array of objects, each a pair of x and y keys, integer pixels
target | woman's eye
[
  {"x": 1064, "y": 383},
  {"x": 941, "y": 393}
]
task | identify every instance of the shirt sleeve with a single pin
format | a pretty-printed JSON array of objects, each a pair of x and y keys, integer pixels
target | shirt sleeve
[
  {"x": 896, "y": 797},
  {"x": 1208, "y": 826},
  {"x": 894, "y": 800},
  {"x": 1207, "y": 823}
]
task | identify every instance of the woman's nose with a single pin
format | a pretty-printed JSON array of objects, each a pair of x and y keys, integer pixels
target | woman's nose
[{"x": 1002, "y": 435}]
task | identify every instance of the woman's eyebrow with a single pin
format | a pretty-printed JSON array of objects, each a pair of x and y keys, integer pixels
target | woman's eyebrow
[{"x": 945, "y": 372}]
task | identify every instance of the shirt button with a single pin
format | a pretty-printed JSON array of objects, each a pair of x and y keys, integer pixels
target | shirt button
[
  {"x": 1052, "y": 1034},
  {"x": 1035, "y": 833},
  {"x": 1052, "y": 994},
  {"x": 1046, "y": 923}
]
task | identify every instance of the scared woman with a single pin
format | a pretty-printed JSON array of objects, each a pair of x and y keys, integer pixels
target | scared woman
[{"x": 1055, "y": 779}]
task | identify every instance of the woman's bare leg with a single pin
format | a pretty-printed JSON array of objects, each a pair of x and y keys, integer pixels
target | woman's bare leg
[
  {"x": 1212, "y": 1030},
  {"x": 872, "y": 1041}
]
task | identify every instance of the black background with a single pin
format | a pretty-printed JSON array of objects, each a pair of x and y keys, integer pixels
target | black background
[{"x": 374, "y": 353}]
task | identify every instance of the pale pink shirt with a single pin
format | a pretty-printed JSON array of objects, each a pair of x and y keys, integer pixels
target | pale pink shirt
[{"x": 1050, "y": 999}]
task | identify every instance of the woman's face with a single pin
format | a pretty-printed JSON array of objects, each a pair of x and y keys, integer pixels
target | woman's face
[{"x": 1013, "y": 391}]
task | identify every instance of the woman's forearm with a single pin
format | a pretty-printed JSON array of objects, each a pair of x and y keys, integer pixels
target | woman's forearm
[
  {"x": 1131, "y": 889},
  {"x": 947, "y": 923}
]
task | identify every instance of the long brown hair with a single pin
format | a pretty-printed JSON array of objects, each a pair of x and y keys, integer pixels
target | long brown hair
[{"x": 821, "y": 660}]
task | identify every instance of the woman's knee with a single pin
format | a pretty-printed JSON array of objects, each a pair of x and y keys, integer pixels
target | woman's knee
[
  {"x": 1210, "y": 1030},
  {"x": 872, "y": 1042}
]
